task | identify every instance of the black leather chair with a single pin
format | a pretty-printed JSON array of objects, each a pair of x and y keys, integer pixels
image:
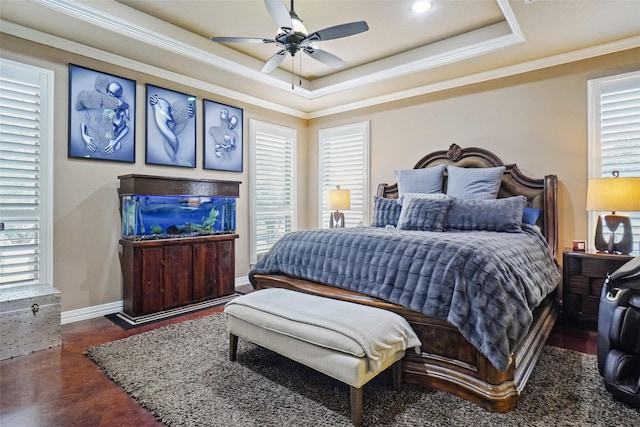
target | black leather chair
[{"x": 619, "y": 333}]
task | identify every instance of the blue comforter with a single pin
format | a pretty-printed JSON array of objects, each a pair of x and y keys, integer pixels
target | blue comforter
[{"x": 484, "y": 283}]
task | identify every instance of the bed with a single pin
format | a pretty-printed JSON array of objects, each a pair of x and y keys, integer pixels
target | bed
[{"x": 482, "y": 306}]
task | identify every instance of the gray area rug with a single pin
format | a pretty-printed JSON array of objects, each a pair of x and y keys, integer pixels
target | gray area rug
[{"x": 181, "y": 374}]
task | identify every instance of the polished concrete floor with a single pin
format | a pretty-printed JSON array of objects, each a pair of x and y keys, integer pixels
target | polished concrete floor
[{"x": 61, "y": 387}]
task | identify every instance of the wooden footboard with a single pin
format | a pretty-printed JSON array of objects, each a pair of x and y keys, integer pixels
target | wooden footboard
[{"x": 448, "y": 361}]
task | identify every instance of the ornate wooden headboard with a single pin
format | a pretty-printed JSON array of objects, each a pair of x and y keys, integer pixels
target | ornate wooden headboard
[{"x": 540, "y": 193}]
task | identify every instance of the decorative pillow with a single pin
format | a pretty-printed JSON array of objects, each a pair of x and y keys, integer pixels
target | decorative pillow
[
  {"x": 425, "y": 180},
  {"x": 474, "y": 183},
  {"x": 530, "y": 215},
  {"x": 424, "y": 214},
  {"x": 490, "y": 215},
  {"x": 385, "y": 212},
  {"x": 433, "y": 196}
]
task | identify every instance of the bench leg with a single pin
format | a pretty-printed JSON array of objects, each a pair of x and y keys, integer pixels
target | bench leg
[
  {"x": 233, "y": 347},
  {"x": 397, "y": 375},
  {"x": 356, "y": 406}
]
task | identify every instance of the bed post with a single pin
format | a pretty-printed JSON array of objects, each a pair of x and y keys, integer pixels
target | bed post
[{"x": 551, "y": 212}]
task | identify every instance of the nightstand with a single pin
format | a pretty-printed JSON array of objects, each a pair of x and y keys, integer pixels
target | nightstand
[{"x": 583, "y": 276}]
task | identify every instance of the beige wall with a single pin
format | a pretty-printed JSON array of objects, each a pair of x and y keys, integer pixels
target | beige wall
[
  {"x": 86, "y": 218},
  {"x": 538, "y": 120}
]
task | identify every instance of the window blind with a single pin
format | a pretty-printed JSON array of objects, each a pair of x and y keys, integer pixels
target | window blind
[
  {"x": 615, "y": 128},
  {"x": 273, "y": 185},
  {"x": 344, "y": 162},
  {"x": 25, "y": 247}
]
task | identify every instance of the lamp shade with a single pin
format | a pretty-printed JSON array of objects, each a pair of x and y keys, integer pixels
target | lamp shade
[
  {"x": 339, "y": 199},
  {"x": 613, "y": 194}
]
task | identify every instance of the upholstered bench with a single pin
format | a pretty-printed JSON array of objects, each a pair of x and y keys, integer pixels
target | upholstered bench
[{"x": 349, "y": 342}]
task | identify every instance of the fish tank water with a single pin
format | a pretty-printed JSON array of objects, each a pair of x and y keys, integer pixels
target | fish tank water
[{"x": 164, "y": 217}]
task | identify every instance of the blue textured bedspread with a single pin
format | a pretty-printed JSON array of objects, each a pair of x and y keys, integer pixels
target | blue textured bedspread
[{"x": 484, "y": 283}]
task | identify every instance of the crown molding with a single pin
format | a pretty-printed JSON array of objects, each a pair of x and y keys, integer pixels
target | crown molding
[
  {"x": 507, "y": 12},
  {"x": 86, "y": 13},
  {"x": 80, "y": 49},
  {"x": 429, "y": 62},
  {"x": 91, "y": 52},
  {"x": 525, "y": 67}
]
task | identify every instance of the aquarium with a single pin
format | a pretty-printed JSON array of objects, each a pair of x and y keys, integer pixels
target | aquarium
[{"x": 164, "y": 217}]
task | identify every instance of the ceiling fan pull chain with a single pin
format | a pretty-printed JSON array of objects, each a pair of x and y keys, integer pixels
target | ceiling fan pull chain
[{"x": 293, "y": 65}]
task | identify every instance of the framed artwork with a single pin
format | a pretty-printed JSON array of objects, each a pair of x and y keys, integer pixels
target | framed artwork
[
  {"x": 171, "y": 128},
  {"x": 101, "y": 116},
  {"x": 222, "y": 137}
]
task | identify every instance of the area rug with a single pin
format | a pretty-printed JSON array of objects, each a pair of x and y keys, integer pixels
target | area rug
[{"x": 182, "y": 374}]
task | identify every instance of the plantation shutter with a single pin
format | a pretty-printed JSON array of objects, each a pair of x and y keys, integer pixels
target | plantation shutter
[
  {"x": 616, "y": 133},
  {"x": 25, "y": 187},
  {"x": 273, "y": 185},
  {"x": 344, "y": 162}
]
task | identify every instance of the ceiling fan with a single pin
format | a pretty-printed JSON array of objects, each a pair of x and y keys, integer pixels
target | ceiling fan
[{"x": 293, "y": 37}]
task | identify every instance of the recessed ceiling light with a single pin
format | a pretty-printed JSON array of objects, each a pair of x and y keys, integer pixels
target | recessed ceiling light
[{"x": 421, "y": 6}]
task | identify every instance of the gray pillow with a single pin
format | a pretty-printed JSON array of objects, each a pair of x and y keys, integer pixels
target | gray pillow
[
  {"x": 474, "y": 183},
  {"x": 424, "y": 214},
  {"x": 385, "y": 212},
  {"x": 425, "y": 180},
  {"x": 407, "y": 198},
  {"x": 489, "y": 215}
]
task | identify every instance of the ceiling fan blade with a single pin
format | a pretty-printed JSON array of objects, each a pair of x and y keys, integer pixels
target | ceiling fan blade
[
  {"x": 338, "y": 31},
  {"x": 325, "y": 57},
  {"x": 274, "y": 61},
  {"x": 279, "y": 13},
  {"x": 241, "y": 40}
]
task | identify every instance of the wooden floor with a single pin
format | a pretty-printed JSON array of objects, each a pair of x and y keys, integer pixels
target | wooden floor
[{"x": 61, "y": 387}]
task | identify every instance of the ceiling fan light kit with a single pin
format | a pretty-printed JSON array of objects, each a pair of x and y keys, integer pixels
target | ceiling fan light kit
[
  {"x": 420, "y": 7},
  {"x": 293, "y": 37}
]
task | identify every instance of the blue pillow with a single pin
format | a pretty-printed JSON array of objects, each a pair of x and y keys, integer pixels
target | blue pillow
[
  {"x": 425, "y": 180},
  {"x": 385, "y": 212},
  {"x": 474, "y": 183},
  {"x": 424, "y": 214},
  {"x": 530, "y": 215},
  {"x": 489, "y": 215}
]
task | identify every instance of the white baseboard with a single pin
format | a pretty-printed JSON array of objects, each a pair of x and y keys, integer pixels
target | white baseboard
[
  {"x": 87, "y": 313},
  {"x": 244, "y": 280},
  {"x": 92, "y": 312}
]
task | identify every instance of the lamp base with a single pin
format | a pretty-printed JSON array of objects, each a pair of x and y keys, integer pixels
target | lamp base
[
  {"x": 336, "y": 220},
  {"x": 611, "y": 246}
]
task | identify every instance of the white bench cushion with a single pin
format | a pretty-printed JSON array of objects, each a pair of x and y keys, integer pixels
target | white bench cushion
[
  {"x": 301, "y": 331},
  {"x": 337, "y": 325},
  {"x": 344, "y": 367}
]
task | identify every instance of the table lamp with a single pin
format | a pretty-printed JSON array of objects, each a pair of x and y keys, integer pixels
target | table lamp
[
  {"x": 614, "y": 194},
  {"x": 339, "y": 200}
]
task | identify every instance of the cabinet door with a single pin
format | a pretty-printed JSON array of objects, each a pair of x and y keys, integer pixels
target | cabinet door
[
  {"x": 213, "y": 270},
  {"x": 204, "y": 271},
  {"x": 177, "y": 275},
  {"x": 225, "y": 267},
  {"x": 150, "y": 263}
]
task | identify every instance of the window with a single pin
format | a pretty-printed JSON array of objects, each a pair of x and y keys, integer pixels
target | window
[
  {"x": 344, "y": 161},
  {"x": 26, "y": 174},
  {"x": 273, "y": 185},
  {"x": 614, "y": 134}
]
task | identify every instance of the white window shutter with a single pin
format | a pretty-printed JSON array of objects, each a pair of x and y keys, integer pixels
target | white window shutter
[
  {"x": 614, "y": 134},
  {"x": 273, "y": 185},
  {"x": 25, "y": 175},
  {"x": 344, "y": 162}
]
